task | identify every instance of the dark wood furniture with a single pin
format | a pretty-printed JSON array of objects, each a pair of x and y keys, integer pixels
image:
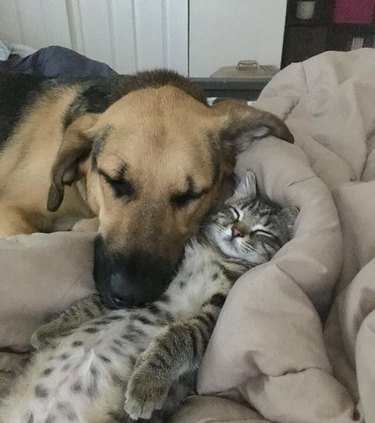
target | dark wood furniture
[
  {"x": 234, "y": 88},
  {"x": 306, "y": 38}
]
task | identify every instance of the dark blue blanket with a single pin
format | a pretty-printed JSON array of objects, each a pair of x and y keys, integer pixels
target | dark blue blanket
[{"x": 57, "y": 62}]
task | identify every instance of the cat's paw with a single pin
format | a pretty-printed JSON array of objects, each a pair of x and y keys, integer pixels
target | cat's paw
[
  {"x": 145, "y": 393},
  {"x": 38, "y": 341},
  {"x": 42, "y": 338}
]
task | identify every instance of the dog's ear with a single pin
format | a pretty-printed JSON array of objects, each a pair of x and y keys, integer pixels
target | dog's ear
[
  {"x": 241, "y": 124},
  {"x": 75, "y": 147}
]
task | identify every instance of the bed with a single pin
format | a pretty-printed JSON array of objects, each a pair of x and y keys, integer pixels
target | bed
[{"x": 295, "y": 340}]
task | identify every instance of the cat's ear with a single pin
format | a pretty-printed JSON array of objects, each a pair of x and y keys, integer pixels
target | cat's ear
[
  {"x": 288, "y": 216},
  {"x": 246, "y": 188}
]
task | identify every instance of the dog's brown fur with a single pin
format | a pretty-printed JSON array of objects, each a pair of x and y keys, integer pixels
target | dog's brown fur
[{"x": 149, "y": 168}]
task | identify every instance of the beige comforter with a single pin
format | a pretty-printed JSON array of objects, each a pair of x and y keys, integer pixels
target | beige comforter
[{"x": 281, "y": 351}]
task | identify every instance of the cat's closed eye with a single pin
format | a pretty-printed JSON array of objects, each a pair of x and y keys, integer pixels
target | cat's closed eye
[{"x": 266, "y": 236}]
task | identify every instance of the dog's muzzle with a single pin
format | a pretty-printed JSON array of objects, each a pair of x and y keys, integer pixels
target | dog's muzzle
[{"x": 131, "y": 279}]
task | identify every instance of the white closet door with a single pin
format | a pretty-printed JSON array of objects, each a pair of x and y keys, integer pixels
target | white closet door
[
  {"x": 129, "y": 35},
  {"x": 223, "y": 32}
]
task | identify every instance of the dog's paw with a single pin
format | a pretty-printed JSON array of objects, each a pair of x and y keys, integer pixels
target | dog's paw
[{"x": 145, "y": 393}]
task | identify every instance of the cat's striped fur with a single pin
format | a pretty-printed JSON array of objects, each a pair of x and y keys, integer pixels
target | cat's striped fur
[{"x": 141, "y": 362}]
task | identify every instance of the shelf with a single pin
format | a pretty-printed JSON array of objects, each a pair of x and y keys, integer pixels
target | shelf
[
  {"x": 306, "y": 22},
  {"x": 364, "y": 27}
]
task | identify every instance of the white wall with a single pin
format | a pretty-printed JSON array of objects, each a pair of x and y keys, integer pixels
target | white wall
[
  {"x": 223, "y": 32},
  {"x": 32, "y": 22},
  {"x": 129, "y": 35}
]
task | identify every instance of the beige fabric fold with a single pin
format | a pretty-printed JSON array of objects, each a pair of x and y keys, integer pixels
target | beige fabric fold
[{"x": 41, "y": 275}]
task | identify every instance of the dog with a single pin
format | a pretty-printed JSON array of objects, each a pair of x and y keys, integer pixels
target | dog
[{"x": 140, "y": 158}]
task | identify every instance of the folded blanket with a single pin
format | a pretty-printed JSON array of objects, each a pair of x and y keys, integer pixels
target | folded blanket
[
  {"x": 273, "y": 355},
  {"x": 57, "y": 62},
  {"x": 269, "y": 346}
]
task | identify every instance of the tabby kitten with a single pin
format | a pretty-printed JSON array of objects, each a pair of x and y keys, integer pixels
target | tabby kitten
[{"x": 138, "y": 364}]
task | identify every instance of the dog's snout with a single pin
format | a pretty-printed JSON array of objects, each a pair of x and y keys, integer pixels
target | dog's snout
[
  {"x": 132, "y": 279},
  {"x": 137, "y": 280}
]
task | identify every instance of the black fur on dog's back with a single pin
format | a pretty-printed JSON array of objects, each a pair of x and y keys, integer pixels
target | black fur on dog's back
[{"x": 17, "y": 92}]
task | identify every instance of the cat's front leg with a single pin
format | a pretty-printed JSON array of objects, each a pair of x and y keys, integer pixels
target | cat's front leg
[
  {"x": 174, "y": 353},
  {"x": 46, "y": 336},
  {"x": 86, "y": 309},
  {"x": 148, "y": 386}
]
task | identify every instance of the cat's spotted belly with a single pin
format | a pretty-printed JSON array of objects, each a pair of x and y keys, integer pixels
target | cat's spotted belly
[{"x": 84, "y": 378}]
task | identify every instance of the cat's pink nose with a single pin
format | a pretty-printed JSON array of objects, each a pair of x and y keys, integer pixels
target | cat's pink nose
[
  {"x": 240, "y": 229},
  {"x": 236, "y": 233}
]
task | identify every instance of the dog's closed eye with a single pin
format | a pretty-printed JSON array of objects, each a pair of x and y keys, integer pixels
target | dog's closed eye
[
  {"x": 121, "y": 187},
  {"x": 183, "y": 199}
]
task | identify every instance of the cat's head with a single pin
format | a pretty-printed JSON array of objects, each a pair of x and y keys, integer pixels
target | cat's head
[{"x": 248, "y": 227}]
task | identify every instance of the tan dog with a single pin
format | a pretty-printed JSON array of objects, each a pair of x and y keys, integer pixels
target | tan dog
[{"x": 143, "y": 154}]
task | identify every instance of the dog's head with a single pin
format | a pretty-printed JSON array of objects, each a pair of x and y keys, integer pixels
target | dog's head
[{"x": 155, "y": 162}]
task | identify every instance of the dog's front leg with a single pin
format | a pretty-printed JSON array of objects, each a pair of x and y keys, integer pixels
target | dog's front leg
[{"x": 86, "y": 225}]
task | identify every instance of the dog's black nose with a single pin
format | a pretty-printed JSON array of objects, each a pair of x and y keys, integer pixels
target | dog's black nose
[
  {"x": 119, "y": 302},
  {"x": 129, "y": 280},
  {"x": 125, "y": 292},
  {"x": 116, "y": 295}
]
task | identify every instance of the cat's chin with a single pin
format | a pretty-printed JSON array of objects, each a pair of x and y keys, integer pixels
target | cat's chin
[{"x": 228, "y": 247}]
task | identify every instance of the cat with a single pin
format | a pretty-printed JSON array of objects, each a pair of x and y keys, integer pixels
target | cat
[{"x": 139, "y": 364}]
